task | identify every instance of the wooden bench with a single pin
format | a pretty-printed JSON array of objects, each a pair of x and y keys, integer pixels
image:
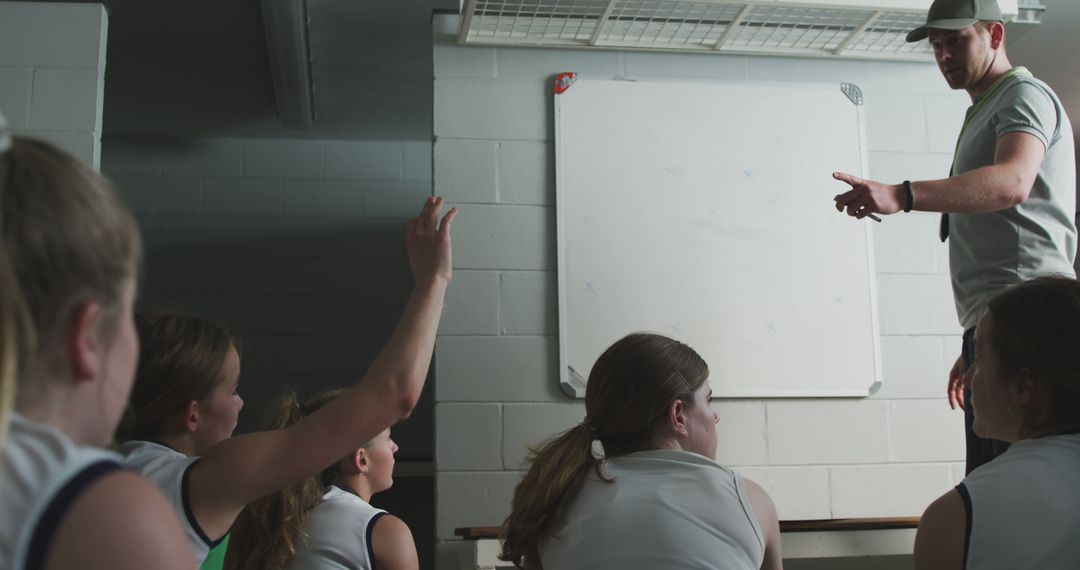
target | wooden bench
[{"x": 827, "y": 538}]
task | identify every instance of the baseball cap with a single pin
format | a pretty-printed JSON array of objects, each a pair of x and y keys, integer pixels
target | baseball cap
[{"x": 955, "y": 15}]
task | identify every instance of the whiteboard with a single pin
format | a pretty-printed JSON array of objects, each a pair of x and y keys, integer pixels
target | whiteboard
[{"x": 704, "y": 212}]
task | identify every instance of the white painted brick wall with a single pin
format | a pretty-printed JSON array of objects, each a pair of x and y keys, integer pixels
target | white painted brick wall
[
  {"x": 799, "y": 493},
  {"x": 466, "y": 170},
  {"x": 493, "y": 109},
  {"x": 742, "y": 434},
  {"x": 468, "y": 437},
  {"x": 526, "y": 426},
  {"x": 827, "y": 432},
  {"x": 899, "y": 123},
  {"x": 15, "y": 86},
  {"x": 496, "y": 369},
  {"x": 916, "y": 366},
  {"x": 60, "y": 97},
  {"x": 913, "y": 423},
  {"x": 51, "y": 34},
  {"x": 889, "y": 454},
  {"x": 462, "y": 498},
  {"x": 526, "y": 172},
  {"x": 472, "y": 304},
  {"x": 933, "y": 313},
  {"x": 527, "y": 303},
  {"x": 887, "y": 490},
  {"x": 52, "y": 68},
  {"x": 505, "y": 237},
  {"x": 646, "y": 65}
]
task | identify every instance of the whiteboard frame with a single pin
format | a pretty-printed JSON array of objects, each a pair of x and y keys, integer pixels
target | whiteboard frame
[{"x": 573, "y": 382}]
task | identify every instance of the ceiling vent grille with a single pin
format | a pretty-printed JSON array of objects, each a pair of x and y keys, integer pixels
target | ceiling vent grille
[{"x": 702, "y": 25}]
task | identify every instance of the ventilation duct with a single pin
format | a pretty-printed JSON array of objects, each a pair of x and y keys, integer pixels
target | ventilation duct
[{"x": 846, "y": 28}]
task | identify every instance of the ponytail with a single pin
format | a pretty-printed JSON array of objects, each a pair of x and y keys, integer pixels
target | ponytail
[
  {"x": 557, "y": 471},
  {"x": 16, "y": 330},
  {"x": 16, "y": 339},
  {"x": 266, "y": 533}
]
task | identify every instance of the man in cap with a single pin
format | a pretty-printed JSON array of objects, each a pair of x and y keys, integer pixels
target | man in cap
[{"x": 1010, "y": 197}]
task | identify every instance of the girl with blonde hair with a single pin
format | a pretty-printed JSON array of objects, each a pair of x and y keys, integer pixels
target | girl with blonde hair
[
  {"x": 72, "y": 251},
  {"x": 327, "y": 521}
]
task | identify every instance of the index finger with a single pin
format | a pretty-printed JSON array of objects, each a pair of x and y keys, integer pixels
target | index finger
[{"x": 847, "y": 178}]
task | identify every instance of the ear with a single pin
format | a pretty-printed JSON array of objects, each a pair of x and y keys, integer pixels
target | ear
[
  {"x": 191, "y": 416},
  {"x": 83, "y": 343},
  {"x": 677, "y": 417},
  {"x": 1023, "y": 391},
  {"x": 360, "y": 461},
  {"x": 997, "y": 34}
]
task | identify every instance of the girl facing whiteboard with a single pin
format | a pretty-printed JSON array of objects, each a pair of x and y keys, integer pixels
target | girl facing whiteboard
[
  {"x": 325, "y": 522},
  {"x": 1021, "y": 510},
  {"x": 656, "y": 498}
]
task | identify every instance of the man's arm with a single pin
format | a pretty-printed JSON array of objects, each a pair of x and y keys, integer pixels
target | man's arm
[{"x": 1006, "y": 183}]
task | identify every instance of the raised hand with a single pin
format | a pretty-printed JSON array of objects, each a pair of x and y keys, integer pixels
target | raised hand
[{"x": 427, "y": 240}]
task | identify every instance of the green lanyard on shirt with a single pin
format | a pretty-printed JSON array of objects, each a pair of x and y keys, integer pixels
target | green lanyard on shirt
[{"x": 943, "y": 231}]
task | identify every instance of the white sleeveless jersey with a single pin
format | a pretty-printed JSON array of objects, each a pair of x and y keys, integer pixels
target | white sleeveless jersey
[
  {"x": 168, "y": 469},
  {"x": 1024, "y": 507},
  {"x": 42, "y": 473},
  {"x": 338, "y": 534},
  {"x": 665, "y": 509}
]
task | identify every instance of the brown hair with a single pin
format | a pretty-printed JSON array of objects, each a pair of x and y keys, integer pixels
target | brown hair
[
  {"x": 1036, "y": 333},
  {"x": 69, "y": 241},
  {"x": 629, "y": 390},
  {"x": 13, "y": 318},
  {"x": 267, "y": 532},
  {"x": 180, "y": 359}
]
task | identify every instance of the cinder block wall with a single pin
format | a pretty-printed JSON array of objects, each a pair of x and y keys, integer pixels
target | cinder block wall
[
  {"x": 298, "y": 245},
  {"x": 496, "y": 390},
  {"x": 52, "y": 73}
]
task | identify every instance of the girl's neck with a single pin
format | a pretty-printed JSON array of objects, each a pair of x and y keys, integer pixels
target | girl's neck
[{"x": 356, "y": 485}]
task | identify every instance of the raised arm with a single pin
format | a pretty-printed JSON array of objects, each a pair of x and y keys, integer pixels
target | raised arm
[
  {"x": 244, "y": 468},
  {"x": 1004, "y": 184}
]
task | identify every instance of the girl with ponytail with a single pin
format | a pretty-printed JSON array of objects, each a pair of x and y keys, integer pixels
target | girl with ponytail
[
  {"x": 326, "y": 520},
  {"x": 650, "y": 495}
]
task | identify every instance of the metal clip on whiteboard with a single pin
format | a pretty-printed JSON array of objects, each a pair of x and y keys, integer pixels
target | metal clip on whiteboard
[
  {"x": 573, "y": 384},
  {"x": 853, "y": 92}
]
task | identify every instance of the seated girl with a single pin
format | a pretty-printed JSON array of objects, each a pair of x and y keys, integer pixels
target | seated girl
[
  {"x": 69, "y": 255},
  {"x": 655, "y": 497},
  {"x": 326, "y": 522},
  {"x": 185, "y": 404},
  {"x": 1021, "y": 510}
]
